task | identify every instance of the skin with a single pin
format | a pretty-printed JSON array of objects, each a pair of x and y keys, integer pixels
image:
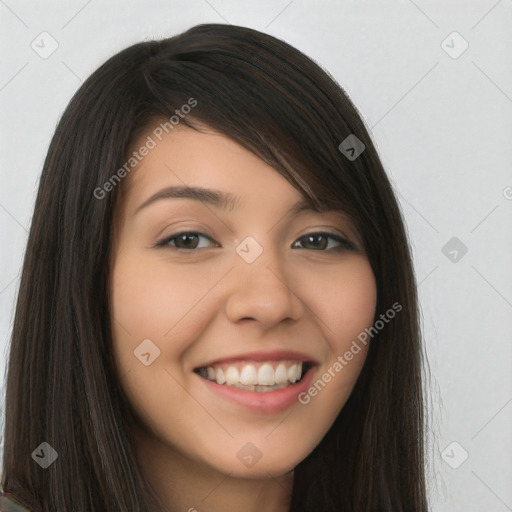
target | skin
[{"x": 197, "y": 305}]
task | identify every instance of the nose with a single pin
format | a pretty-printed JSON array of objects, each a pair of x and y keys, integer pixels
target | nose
[{"x": 263, "y": 291}]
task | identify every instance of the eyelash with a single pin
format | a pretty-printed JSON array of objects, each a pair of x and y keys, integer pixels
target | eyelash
[{"x": 344, "y": 243}]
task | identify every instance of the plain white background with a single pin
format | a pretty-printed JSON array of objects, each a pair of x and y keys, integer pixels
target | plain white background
[{"x": 441, "y": 120}]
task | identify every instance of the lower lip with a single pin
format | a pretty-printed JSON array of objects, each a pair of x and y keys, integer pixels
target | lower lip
[{"x": 267, "y": 402}]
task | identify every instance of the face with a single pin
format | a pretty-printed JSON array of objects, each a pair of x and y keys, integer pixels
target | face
[{"x": 226, "y": 314}]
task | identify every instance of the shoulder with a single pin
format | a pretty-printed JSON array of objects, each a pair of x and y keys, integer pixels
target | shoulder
[{"x": 11, "y": 503}]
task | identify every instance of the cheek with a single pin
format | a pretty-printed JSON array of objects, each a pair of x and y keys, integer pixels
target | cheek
[
  {"x": 143, "y": 307},
  {"x": 345, "y": 302},
  {"x": 150, "y": 301},
  {"x": 142, "y": 293},
  {"x": 346, "y": 307}
]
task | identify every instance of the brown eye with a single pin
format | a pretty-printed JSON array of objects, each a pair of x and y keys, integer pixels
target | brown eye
[
  {"x": 187, "y": 240},
  {"x": 319, "y": 241}
]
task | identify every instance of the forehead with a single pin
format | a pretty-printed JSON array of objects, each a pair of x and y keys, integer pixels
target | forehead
[{"x": 187, "y": 158}]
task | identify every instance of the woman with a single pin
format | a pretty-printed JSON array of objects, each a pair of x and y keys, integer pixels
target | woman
[{"x": 217, "y": 309}]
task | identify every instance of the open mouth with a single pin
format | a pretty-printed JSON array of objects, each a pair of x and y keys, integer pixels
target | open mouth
[{"x": 260, "y": 376}]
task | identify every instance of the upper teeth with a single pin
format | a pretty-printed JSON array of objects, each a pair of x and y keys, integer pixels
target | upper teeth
[{"x": 253, "y": 373}]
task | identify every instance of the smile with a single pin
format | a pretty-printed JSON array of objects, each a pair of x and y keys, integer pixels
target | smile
[{"x": 259, "y": 376}]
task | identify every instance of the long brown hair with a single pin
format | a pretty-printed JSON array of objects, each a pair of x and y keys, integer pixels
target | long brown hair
[{"x": 61, "y": 382}]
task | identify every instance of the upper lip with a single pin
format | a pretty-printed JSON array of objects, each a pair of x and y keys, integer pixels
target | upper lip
[{"x": 274, "y": 355}]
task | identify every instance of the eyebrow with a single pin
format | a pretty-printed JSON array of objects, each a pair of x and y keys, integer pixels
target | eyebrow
[{"x": 221, "y": 200}]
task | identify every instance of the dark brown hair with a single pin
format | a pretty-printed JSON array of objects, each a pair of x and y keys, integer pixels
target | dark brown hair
[{"x": 62, "y": 386}]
